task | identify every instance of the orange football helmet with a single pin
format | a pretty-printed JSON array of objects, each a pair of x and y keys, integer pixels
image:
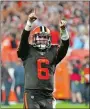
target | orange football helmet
[{"x": 41, "y": 37}]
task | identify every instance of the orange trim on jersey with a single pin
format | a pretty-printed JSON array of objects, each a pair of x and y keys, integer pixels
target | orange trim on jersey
[{"x": 25, "y": 101}]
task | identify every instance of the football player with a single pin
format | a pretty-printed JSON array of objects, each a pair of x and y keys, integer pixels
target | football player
[{"x": 40, "y": 58}]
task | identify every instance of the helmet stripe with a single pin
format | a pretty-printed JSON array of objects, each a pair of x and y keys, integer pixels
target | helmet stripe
[
  {"x": 41, "y": 28},
  {"x": 45, "y": 29}
]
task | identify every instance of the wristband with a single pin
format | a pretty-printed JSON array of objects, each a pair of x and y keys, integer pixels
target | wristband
[
  {"x": 64, "y": 34},
  {"x": 28, "y": 26}
]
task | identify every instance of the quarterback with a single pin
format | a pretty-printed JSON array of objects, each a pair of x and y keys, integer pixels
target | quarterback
[{"x": 40, "y": 58}]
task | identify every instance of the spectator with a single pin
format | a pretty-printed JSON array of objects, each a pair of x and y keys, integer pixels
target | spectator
[
  {"x": 19, "y": 79},
  {"x": 78, "y": 43},
  {"x": 86, "y": 72},
  {"x": 75, "y": 86},
  {"x": 9, "y": 44},
  {"x": 7, "y": 81}
]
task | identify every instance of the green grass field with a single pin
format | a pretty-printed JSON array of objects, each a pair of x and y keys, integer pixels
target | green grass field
[
  {"x": 72, "y": 106},
  {"x": 60, "y": 105}
]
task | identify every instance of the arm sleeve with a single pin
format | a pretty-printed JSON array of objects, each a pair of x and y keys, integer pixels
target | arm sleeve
[
  {"x": 62, "y": 51},
  {"x": 23, "y": 49}
]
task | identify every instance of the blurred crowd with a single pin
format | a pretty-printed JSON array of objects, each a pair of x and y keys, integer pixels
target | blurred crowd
[
  {"x": 14, "y": 15},
  {"x": 79, "y": 80}
]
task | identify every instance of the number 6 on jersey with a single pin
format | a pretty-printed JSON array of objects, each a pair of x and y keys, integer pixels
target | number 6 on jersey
[{"x": 43, "y": 73}]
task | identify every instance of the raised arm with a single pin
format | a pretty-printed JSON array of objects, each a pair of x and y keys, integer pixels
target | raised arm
[
  {"x": 24, "y": 45},
  {"x": 62, "y": 51}
]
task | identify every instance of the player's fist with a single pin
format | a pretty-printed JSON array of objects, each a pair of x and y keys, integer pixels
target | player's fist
[
  {"x": 32, "y": 17},
  {"x": 63, "y": 24}
]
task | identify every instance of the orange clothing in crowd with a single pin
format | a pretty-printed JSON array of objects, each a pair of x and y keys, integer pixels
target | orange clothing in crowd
[
  {"x": 87, "y": 75},
  {"x": 8, "y": 54}
]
